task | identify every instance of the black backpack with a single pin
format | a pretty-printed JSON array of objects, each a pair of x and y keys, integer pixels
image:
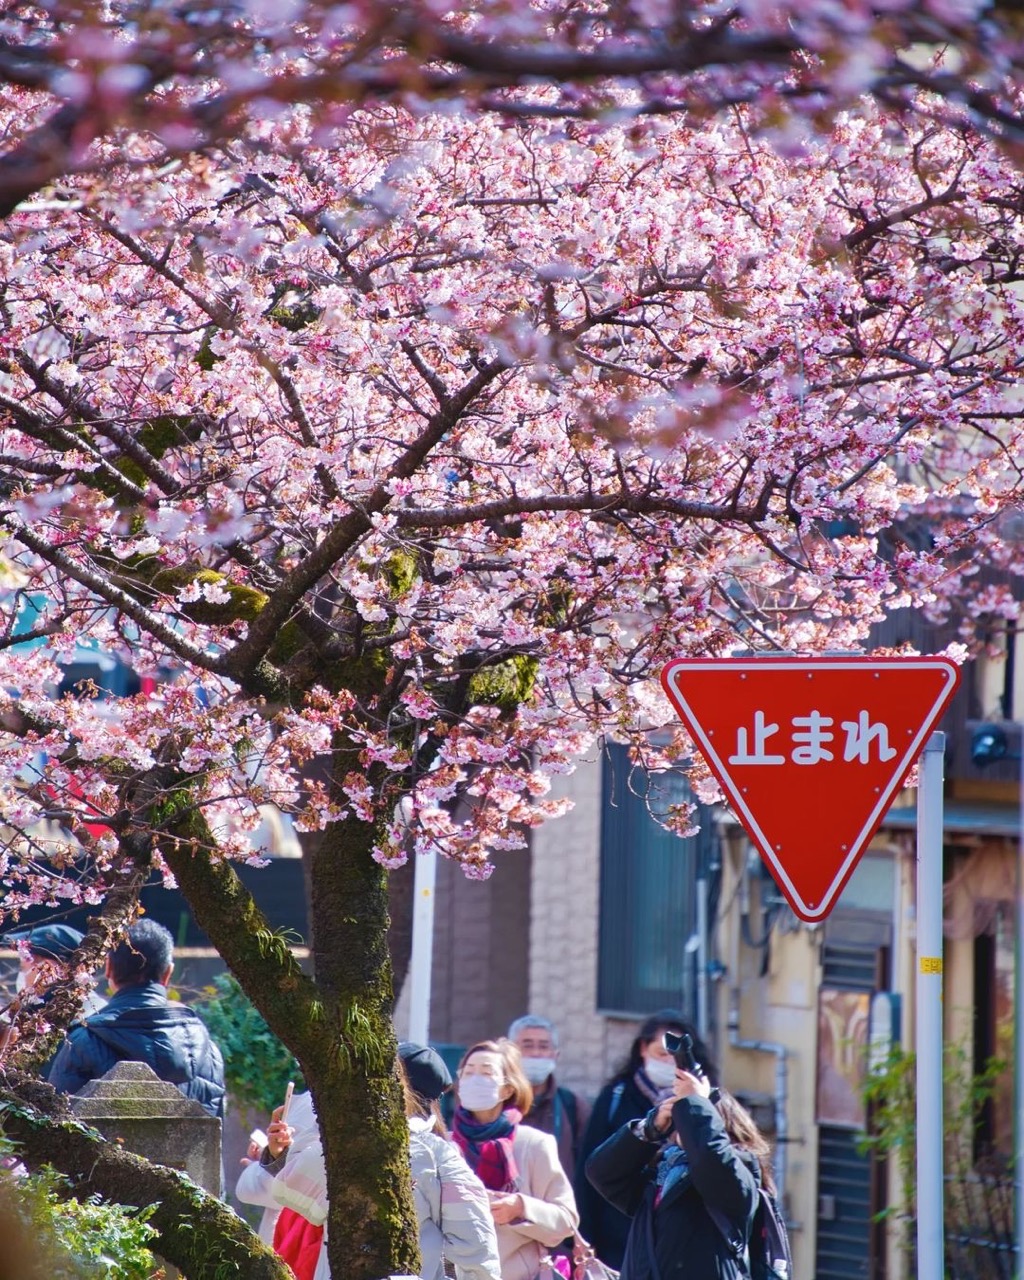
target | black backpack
[
  {"x": 769, "y": 1241},
  {"x": 768, "y": 1254}
]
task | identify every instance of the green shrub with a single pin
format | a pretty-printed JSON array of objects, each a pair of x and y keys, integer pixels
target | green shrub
[
  {"x": 257, "y": 1066},
  {"x": 978, "y": 1210},
  {"x": 69, "y": 1239}
]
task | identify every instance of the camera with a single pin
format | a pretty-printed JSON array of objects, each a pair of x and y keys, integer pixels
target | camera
[{"x": 680, "y": 1046}]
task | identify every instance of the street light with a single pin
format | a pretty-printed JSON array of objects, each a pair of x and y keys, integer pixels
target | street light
[{"x": 989, "y": 745}]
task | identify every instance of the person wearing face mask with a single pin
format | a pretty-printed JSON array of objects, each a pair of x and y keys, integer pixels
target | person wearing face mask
[
  {"x": 688, "y": 1175},
  {"x": 645, "y": 1080},
  {"x": 530, "y": 1197},
  {"x": 555, "y": 1109},
  {"x": 456, "y": 1224}
]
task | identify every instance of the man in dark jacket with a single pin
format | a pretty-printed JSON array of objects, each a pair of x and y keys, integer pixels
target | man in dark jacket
[
  {"x": 41, "y": 952},
  {"x": 555, "y": 1109},
  {"x": 139, "y": 1024}
]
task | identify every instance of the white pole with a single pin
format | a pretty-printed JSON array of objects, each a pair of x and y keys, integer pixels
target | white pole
[
  {"x": 703, "y": 1028},
  {"x": 1018, "y": 1001},
  {"x": 928, "y": 1014},
  {"x": 422, "y": 959}
]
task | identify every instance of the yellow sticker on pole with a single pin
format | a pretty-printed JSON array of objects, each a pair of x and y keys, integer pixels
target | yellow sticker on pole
[{"x": 931, "y": 964}]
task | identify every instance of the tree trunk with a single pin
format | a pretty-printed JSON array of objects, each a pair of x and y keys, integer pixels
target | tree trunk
[
  {"x": 372, "y": 1225},
  {"x": 337, "y": 1025}
]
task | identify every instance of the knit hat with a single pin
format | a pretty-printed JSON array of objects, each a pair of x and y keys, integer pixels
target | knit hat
[{"x": 428, "y": 1076}]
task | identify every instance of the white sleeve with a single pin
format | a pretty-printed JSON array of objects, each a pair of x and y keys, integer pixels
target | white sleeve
[
  {"x": 255, "y": 1185},
  {"x": 466, "y": 1222},
  {"x": 302, "y": 1185}
]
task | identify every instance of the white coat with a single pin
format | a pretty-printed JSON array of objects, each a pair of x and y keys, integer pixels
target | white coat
[
  {"x": 255, "y": 1183},
  {"x": 549, "y": 1206}
]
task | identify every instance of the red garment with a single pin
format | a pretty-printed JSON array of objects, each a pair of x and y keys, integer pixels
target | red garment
[
  {"x": 298, "y": 1243},
  {"x": 488, "y": 1147}
]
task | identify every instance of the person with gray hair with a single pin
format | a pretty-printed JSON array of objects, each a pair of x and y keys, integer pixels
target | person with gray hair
[{"x": 555, "y": 1109}]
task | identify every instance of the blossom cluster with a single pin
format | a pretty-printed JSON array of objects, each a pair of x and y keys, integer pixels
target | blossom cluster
[{"x": 419, "y": 443}]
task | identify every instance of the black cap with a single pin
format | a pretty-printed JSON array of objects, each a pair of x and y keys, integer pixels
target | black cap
[
  {"x": 51, "y": 941},
  {"x": 428, "y": 1076},
  {"x": 670, "y": 1019}
]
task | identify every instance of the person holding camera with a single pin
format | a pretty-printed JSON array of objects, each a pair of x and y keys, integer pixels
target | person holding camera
[
  {"x": 687, "y": 1174},
  {"x": 646, "y": 1078}
]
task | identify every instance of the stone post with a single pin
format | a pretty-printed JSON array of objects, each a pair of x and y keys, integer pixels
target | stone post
[{"x": 131, "y": 1105}]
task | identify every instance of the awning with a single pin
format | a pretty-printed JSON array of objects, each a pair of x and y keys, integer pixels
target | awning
[{"x": 964, "y": 817}]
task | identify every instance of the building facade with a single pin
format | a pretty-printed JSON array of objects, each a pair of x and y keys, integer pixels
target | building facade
[{"x": 607, "y": 917}]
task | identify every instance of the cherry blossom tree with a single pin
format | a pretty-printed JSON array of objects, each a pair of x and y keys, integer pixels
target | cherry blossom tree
[
  {"x": 402, "y": 450},
  {"x": 189, "y": 72}
]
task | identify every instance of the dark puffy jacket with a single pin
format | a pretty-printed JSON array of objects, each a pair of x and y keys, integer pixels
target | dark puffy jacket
[
  {"x": 139, "y": 1024},
  {"x": 687, "y": 1242},
  {"x": 600, "y": 1223}
]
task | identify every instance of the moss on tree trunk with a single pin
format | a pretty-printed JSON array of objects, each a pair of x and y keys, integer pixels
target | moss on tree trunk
[{"x": 372, "y": 1225}]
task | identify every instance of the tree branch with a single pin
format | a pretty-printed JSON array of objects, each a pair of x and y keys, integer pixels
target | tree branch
[
  {"x": 128, "y": 605},
  {"x": 717, "y": 46},
  {"x": 196, "y": 1232},
  {"x": 618, "y": 503},
  {"x": 260, "y": 959},
  {"x": 243, "y": 659}
]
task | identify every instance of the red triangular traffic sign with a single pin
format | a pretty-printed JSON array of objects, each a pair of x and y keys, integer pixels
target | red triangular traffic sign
[{"x": 810, "y": 752}]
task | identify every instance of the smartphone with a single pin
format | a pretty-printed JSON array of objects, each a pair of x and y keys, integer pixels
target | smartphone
[
  {"x": 258, "y": 1138},
  {"x": 289, "y": 1090}
]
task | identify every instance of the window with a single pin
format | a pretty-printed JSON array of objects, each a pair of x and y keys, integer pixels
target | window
[
  {"x": 648, "y": 891},
  {"x": 993, "y": 1030}
]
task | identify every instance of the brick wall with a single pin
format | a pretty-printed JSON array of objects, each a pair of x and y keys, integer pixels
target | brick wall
[
  {"x": 479, "y": 981},
  {"x": 564, "y": 899}
]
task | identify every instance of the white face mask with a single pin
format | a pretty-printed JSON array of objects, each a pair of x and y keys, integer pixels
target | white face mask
[
  {"x": 537, "y": 1070},
  {"x": 479, "y": 1093},
  {"x": 661, "y": 1072}
]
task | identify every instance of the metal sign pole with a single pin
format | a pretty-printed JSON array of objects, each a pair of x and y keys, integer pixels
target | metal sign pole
[
  {"x": 928, "y": 1014},
  {"x": 1018, "y": 1036}
]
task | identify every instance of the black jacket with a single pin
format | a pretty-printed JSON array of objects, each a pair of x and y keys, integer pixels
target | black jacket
[
  {"x": 602, "y": 1225},
  {"x": 139, "y": 1024},
  {"x": 558, "y": 1111},
  {"x": 688, "y": 1244}
]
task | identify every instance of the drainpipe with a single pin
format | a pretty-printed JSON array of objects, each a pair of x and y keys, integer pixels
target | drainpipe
[
  {"x": 736, "y": 1041},
  {"x": 703, "y": 1022},
  {"x": 780, "y": 1051}
]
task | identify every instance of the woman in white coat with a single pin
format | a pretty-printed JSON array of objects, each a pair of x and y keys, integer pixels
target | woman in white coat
[
  {"x": 531, "y": 1199},
  {"x": 255, "y": 1183}
]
